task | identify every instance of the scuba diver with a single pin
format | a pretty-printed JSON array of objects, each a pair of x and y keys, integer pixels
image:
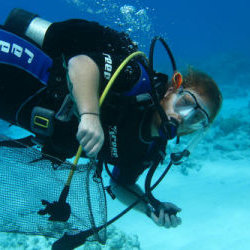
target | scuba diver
[{"x": 52, "y": 76}]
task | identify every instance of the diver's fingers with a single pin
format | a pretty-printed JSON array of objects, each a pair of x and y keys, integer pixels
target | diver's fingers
[
  {"x": 159, "y": 220},
  {"x": 81, "y": 133},
  {"x": 173, "y": 219},
  {"x": 88, "y": 143},
  {"x": 154, "y": 218},
  {"x": 92, "y": 143},
  {"x": 92, "y": 148},
  {"x": 95, "y": 149},
  {"x": 179, "y": 221},
  {"x": 85, "y": 139},
  {"x": 167, "y": 223}
]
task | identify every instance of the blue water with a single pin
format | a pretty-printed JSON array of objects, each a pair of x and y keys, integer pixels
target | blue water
[
  {"x": 213, "y": 36},
  {"x": 210, "y": 35},
  {"x": 194, "y": 28}
]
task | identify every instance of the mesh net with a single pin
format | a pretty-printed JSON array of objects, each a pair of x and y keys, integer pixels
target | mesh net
[{"x": 27, "y": 176}]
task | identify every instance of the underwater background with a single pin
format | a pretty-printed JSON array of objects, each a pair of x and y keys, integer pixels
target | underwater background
[{"x": 213, "y": 187}]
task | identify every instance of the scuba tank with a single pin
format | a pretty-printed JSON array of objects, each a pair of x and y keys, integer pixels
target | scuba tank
[
  {"x": 35, "y": 106},
  {"x": 24, "y": 67},
  {"x": 27, "y": 24}
]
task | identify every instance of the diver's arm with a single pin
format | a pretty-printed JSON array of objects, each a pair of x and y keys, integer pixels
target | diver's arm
[
  {"x": 84, "y": 76},
  {"x": 127, "y": 198},
  {"x": 163, "y": 219}
]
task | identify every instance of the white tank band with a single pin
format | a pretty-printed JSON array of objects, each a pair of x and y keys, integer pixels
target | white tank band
[{"x": 37, "y": 29}]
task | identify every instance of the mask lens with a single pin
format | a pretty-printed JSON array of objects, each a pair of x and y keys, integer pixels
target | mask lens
[
  {"x": 189, "y": 110},
  {"x": 196, "y": 119},
  {"x": 185, "y": 100}
]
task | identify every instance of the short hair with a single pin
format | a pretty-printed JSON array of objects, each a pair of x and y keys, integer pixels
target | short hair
[{"x": 206, "y": 87}]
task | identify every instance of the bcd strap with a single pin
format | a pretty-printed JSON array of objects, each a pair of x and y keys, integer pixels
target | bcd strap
[
  {"x": 143, "y": 84},
  {"x": 119, "y": 100},
  {"x": 22, "y": 54}
]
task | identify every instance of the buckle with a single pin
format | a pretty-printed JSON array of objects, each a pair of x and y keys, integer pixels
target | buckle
[{"x": 42, "y": 121}]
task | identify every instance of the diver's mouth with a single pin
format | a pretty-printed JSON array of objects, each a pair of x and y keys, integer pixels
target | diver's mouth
[{"x": 175, "y": 117}]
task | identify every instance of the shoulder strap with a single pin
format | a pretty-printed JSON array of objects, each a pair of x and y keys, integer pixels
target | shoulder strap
[{"x": 20, "y": 53}]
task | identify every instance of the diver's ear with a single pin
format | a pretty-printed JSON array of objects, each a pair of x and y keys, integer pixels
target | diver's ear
[
  {"x": 175, "y": 83},
  {"x": 177, "y": 80}
]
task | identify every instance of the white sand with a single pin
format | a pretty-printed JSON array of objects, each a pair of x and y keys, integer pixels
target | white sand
[{"x": 215, "y": 204}]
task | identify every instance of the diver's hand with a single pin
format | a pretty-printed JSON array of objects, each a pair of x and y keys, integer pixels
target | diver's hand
[
  {"x": 90, "y": 134},
  {"x": 167, "y": 215}
]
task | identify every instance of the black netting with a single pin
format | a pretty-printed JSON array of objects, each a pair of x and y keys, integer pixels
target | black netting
[{"x": 27, "y": 177}]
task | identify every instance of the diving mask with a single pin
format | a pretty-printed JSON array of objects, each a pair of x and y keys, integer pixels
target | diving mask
[{"x": 193, "y": 116}]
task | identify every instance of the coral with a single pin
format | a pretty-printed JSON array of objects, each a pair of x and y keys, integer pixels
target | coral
[
  {"x": 190, "y": 164},
  {"x": 230, "y": 125},
  {"x": 229, "y": 137},
  {"x": 116, "y": 239},
  {"x": 24, "y": 242}
]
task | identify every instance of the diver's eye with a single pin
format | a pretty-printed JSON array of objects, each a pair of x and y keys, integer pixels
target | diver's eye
[
  {"x": 185, "y": 100},
  {"x": 189, "y": 100}
]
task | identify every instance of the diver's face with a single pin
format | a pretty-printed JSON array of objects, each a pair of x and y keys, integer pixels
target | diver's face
[{"x": 189, "y": 108}]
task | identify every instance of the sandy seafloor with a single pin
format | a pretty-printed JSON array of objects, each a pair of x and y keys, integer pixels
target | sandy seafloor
[
  {"x": 212, "y": 190},
  {"x": 214, "y": 200}
]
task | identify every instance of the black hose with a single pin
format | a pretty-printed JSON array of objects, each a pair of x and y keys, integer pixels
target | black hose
[
  {"x": 151, "y": 53},
  {"x": 164, "y": 119},
  {"x": 152, "y": 200}
]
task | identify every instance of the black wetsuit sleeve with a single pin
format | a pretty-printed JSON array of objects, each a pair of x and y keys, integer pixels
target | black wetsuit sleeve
[
  {"x": 127, "y": 176},
  {"x": 106, "y": 47},
  {"x": 76, "y": 36},
  {"x": 128, "y": 170}
]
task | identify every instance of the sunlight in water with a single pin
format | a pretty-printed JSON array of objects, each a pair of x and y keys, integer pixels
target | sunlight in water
[{"x": 129, "y": 18}]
